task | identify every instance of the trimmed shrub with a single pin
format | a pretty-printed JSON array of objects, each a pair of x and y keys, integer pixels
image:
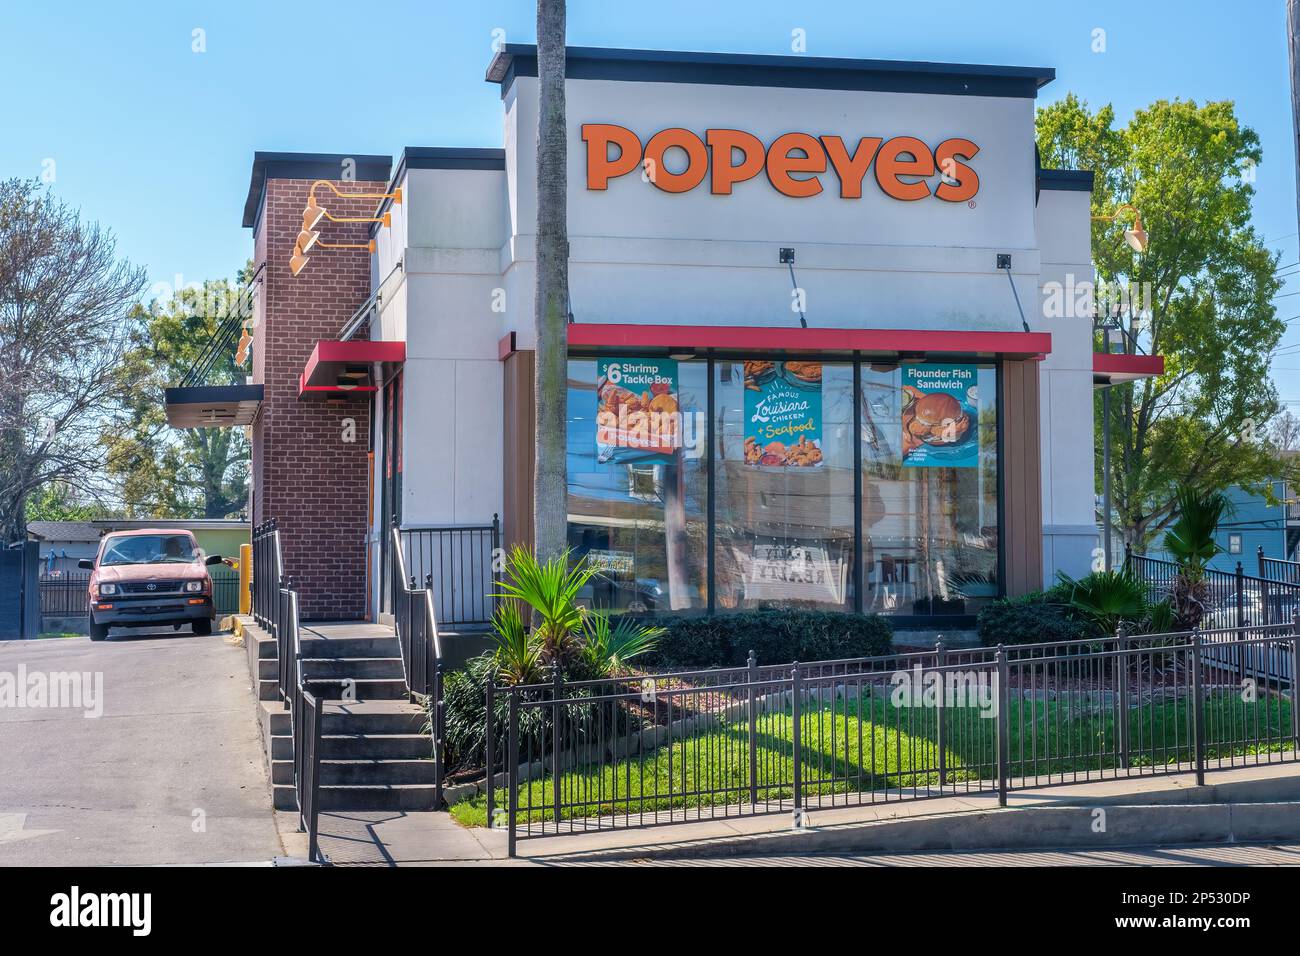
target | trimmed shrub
[
  {"x": 1032, "y": 619},
  {"x": 776, "y": 636}
]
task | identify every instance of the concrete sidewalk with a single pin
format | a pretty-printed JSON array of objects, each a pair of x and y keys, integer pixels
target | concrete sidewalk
[{"x": 1248, "y": 803}]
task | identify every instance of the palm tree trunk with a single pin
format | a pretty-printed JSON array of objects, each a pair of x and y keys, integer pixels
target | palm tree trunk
[{"x": 550, "y": 527}]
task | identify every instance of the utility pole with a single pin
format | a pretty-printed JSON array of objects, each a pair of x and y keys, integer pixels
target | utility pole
[{"x": 1293, "y": 49}]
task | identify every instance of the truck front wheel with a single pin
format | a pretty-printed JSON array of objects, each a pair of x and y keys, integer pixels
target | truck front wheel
[
  {"x": 203, "y": 627},
  {"x": 98, "y": 632}
]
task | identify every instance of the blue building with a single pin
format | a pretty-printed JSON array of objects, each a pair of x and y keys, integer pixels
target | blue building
[
  {"x": 1255, "y": 526},
  {"x": 1251, "y": 525}
]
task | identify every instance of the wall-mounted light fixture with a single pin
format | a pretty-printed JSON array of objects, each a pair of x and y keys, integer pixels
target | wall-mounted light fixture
[
  {"x": 1136, "y": 236},
  {"x": 309, "y": 237}
]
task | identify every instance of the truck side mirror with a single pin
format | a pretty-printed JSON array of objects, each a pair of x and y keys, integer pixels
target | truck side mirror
[
  {"x": 213, "y": 559},
  {"x": 86, "y": 564}
]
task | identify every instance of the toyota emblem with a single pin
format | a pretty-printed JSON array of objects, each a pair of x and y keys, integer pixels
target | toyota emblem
[{"x": 151, "y": 587}]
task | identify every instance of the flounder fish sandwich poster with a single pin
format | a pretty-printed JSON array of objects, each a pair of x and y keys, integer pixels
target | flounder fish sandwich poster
[{"x": 940, "y": 416}]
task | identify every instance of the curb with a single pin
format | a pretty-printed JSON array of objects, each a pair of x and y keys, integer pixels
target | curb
[{"x": 1031, "y": 828}]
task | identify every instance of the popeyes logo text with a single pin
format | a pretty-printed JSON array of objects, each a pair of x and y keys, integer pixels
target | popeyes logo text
[{"x": 795, "y": 163}]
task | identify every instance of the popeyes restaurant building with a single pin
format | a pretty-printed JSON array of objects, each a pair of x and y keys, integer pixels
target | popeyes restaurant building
[{"x": 809, "y": 359}]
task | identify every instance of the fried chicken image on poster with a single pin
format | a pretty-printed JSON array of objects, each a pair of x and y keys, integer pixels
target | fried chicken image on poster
[{"x": 783, "y": 414}]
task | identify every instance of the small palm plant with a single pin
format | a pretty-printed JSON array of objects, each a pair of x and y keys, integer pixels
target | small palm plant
[
  {"x": 610, "y": 645},
  {"x": 550, "y": 589},
  {"x": 540, "y": 626},
  {"x": 518, "y": 659},
  {"x": 1191, "y": 542},
  {"x": 1108, "y": 599}
]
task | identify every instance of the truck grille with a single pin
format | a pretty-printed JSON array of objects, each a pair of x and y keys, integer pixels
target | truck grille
[{"x": 150, "y": 587}]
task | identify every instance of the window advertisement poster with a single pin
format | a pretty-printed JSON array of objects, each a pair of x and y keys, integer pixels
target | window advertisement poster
[
  {"x": 940, "y": 416},
  {"x": 783, "y": 414},
  {"x": 779, "y": 573},
  {"x": 638, "y": 413}
]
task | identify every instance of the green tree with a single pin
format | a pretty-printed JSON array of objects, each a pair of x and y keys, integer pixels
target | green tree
[
  {"x": 58, "y": 501},
  {"x": 1200, "y": 295},
  {"x": 161, "y": 471},
  {"x": 65, "y": 299}
]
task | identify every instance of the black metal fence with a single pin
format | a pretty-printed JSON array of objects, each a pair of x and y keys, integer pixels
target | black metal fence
[
  {"x": 1277, "y": 569},
  {"x": 68, "y": 595},
  {"x": 669, "y": 748},
  {"x": 459, "y": 565},
  {"x": 268, "y": 575},
  {"x": 1234, "y": 598},
  {"x": 65, "y": 595}
]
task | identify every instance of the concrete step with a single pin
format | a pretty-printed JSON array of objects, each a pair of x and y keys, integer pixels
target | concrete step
[
  {"x": 371, "y": 773},
  {"x": 268, "y": 689},
  {"x": 342, "y": 647},
  {"x": 321, "y": 668},
  {"x": 409, "y": 796},
  {"x": 281, "y": 748},
  {"x": 363, "y": 773},
  {"x": 361, "y": 747},
  {"x": 375, "y": 746},
  {"x": 371, "y": 717},
  {"x": 377, "y": 688},
  {"x": 284, "y": 797}
]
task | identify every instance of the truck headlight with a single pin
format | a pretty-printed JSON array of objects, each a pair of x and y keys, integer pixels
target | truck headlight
[
  {"x": 107, "y": 589},
  {"x": 193, "y": 586}
]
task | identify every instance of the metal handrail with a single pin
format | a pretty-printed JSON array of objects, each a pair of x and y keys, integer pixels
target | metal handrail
[
  {"x": 276, "y": 608},
  {"x": 416, "y": 622},
  {"x": 458, "y": 562}
]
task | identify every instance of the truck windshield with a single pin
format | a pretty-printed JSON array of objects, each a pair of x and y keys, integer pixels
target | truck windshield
[{"x": 150, "y": 549}]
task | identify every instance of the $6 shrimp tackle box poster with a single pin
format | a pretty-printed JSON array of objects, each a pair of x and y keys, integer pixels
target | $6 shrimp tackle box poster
[
  {"x": 638, "y": 413},
  {"x": 940, "y": 416}
]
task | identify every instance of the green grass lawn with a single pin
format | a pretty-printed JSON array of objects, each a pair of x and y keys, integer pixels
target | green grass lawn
[{"x": 869, "y": 744}]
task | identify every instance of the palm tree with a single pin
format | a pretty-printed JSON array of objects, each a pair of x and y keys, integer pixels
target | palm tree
[
  {"x": 1191, "y": 542},
  {"x": 550, "y": 395}
]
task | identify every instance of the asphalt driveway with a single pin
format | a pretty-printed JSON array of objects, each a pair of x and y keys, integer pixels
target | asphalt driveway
[{"x": 172, "y": 771}]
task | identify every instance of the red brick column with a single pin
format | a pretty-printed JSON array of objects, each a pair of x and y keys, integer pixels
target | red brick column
[{"x": 305, "y": 475}]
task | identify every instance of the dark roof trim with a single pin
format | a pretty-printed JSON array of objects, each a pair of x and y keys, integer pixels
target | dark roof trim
[
  {"x": 799, "y": 72},
  {"x": 449, "y": 157},
  {"x": 441, "y": 157},
  {"x": 1070, "y": 180},
  {"x": 307, "y": 166}
]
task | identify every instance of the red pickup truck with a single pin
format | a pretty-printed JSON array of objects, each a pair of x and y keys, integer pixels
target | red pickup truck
[{"x": 148, "y": 578}]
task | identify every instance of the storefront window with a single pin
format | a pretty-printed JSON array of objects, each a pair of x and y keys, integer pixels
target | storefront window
[
  {"x": 929, "y": 488},
  {"x": 638, "y": 481},
  {"x": 784, "y": 484},
  {"x": 789, "y": 527}
]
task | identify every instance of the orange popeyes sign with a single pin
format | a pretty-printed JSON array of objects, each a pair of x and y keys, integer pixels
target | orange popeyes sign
[{"x": 730, "y": 156}]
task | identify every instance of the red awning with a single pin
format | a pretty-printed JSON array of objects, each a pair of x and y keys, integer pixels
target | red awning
[
  {"x": 1114, "y": 369},
  {"x": 344, "y": 367},
  {"x": 671, "y": 338}
]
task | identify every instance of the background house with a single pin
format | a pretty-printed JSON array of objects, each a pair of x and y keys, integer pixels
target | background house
[{"x": 63, "y": 543}]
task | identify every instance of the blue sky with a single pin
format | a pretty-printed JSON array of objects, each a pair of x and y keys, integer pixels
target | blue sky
[{"x": 156, "y": 141}]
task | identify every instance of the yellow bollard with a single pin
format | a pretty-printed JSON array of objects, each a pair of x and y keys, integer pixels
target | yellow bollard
[{"x": 245, "y": 578}]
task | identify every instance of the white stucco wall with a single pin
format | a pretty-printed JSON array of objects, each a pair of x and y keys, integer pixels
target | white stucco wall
[
  {"x": 640, "y": 255},
  {"x": 1066, "y": 424}
]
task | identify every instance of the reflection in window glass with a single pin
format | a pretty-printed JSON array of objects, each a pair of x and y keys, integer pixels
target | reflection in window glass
[
  {"x": 929, "y": 488},
  {"x": 784, "y": 484},
  {"x": 784, "y": 447},
  {"x": 637, "y": 483}
]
